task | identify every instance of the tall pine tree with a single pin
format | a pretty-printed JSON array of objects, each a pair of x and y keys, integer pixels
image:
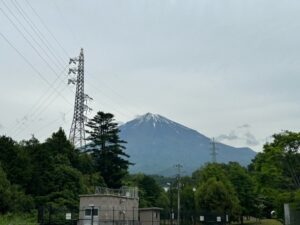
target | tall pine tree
[{"x": 107, "y": 149}]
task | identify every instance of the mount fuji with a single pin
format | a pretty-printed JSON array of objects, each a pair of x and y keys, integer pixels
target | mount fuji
[{"x": 155, "y": 144}]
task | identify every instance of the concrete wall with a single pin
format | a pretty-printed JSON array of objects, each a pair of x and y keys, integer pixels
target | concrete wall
[
  {"x": 111, "y": 209},
  {"x": 149, "y": 216}
]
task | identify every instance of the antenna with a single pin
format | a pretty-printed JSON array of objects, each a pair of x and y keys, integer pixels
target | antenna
[{"x": 77, "y": 131}]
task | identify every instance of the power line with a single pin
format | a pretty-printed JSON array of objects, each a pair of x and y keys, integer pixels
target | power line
[
  {"x": 26, "y": 60},
  {"x": 40, "y": 109},
  {"x": 46, "y": 27},
  {"x": 30, "y": 35},
  {"x": 113, "y": 91},
  {"x": 24, "y": 16},
  {"x": 51, "y": 85},
  {"x": 26, "y": 39},
  {"x": 64, "y": 50},
  {"x": 47, "y": 125},
  {"x": 37, "y": 31}
]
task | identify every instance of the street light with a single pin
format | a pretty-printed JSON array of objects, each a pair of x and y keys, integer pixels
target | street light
[{"x": 194, "y": 205}]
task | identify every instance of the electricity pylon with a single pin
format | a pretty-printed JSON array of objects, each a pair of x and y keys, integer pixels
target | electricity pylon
[
  {"x": 77, "y": 131},
  {"x": 213, "y": 151}
]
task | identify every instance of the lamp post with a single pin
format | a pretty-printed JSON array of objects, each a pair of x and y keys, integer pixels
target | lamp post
[
  {"x": 194, "y": 205},
  {"x": 178, "y": 201}
]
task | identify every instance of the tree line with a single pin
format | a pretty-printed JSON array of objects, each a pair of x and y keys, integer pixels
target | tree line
[{"x": 54, "y": 172}]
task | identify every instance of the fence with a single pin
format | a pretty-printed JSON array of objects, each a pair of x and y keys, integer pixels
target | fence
[
  {"x": 129, "y": 192},
  {"x": 193, "y": 217},
  {"x": 48, "y": 215}
]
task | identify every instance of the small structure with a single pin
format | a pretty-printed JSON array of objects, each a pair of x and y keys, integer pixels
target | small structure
[
  {"x": 150, "y": 216},
  {"x": 110, "y": 207},
  {"x": 291, "y": 214}
]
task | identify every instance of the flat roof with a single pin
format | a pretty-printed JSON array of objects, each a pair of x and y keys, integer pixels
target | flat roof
[
  {"x": 105, "y": 195},
  {"x": 150, "y": 208}
]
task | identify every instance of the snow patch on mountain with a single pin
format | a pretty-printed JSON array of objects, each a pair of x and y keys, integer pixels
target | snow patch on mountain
[{"x": 157, "y": 121}]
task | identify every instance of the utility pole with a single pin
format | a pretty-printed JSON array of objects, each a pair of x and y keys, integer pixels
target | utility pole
[
  {"x": 213, "y": 151},
  {"x": 178, "y": 166},
  {"x": 77, "y": 131}
]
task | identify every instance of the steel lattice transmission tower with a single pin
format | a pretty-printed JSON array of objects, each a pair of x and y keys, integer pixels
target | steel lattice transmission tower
[
  {"x": 213, "y": 151},
  {"x": 77, "y": 131}
]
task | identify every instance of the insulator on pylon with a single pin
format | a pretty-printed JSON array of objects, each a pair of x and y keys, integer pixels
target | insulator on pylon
[
  {"x": 87, "y": 109},
  {"x": 86, "y": 97},
  {"x": 73, "y": 60},
  {"x": 72, "y": 70},
  {"x": 71, "y": 81}
]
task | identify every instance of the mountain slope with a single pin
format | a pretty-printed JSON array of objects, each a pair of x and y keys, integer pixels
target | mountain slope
[{"x": 156, "y": 144}]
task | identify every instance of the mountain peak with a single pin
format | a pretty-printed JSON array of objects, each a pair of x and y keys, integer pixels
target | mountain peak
[
  {"x": 151, "y": 118},
  {"x": 156, "y": 143},
  {"x": 155, "y": 123}
]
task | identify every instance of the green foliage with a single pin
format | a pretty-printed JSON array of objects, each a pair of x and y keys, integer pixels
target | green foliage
[
  {"x": 276, "y": 171},
  {"x": 215, "y": 192},
  {"x": 150, "y": 192},
  {"x": 54, "y": 173},
  {"x": 18, "y": 218},
  {"x": 49, "y": 173},
  {"x": 214, "y": 196},
  {"x": 5, "y": 195},
  {"x": 244, "y": 187},
  {"x": 12, "y": 199},
  {"x": 107, "y": 149},
  {"x": 187, "y": 196}
]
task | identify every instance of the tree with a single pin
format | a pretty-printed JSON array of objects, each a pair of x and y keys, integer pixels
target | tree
[
  {"x": 215, "y": 192},
  {"x": 107, "y": 149},
  {"x": 15, "y": 161},
  {"x": 276, "y": 171},
  {"x": 214, "y": 196},
  {"x": 150, "y": 192},
  {"x": 12, "y": 199},
  {"x": 56, "y": 179},
  {"x": 244, "y": 187}
]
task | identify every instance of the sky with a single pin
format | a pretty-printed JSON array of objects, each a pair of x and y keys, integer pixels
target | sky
[{"x": 226, "y": 68}]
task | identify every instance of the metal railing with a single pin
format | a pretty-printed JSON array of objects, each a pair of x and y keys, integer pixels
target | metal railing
[{"x": 129, "y": 192}]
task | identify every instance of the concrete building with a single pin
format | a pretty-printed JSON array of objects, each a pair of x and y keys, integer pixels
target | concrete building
[
  {"x": 110, "y": 207},
  {"x": 150, "y": 216}
]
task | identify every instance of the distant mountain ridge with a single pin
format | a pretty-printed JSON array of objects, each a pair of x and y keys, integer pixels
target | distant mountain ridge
[{"x": 156, "y": 144}]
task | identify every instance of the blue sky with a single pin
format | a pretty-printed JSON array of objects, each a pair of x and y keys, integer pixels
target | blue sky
[{"x": 229, "y": 69}]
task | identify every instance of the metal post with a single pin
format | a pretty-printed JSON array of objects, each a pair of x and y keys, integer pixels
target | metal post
[
  {"x": 41, "y": 215},
  {"x": 178, "y": 166},
  {"x": 50, "y": 212},
  {"x": 152, "y": 217},
  {"x": 133, "y": 215},
  {"x": 92, "y": 220},
  {"x": 171, "y": 203},
  {"x": 113, "y": 215}
]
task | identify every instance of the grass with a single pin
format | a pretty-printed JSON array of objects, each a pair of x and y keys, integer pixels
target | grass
[{"x": 13, "y": 219}]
